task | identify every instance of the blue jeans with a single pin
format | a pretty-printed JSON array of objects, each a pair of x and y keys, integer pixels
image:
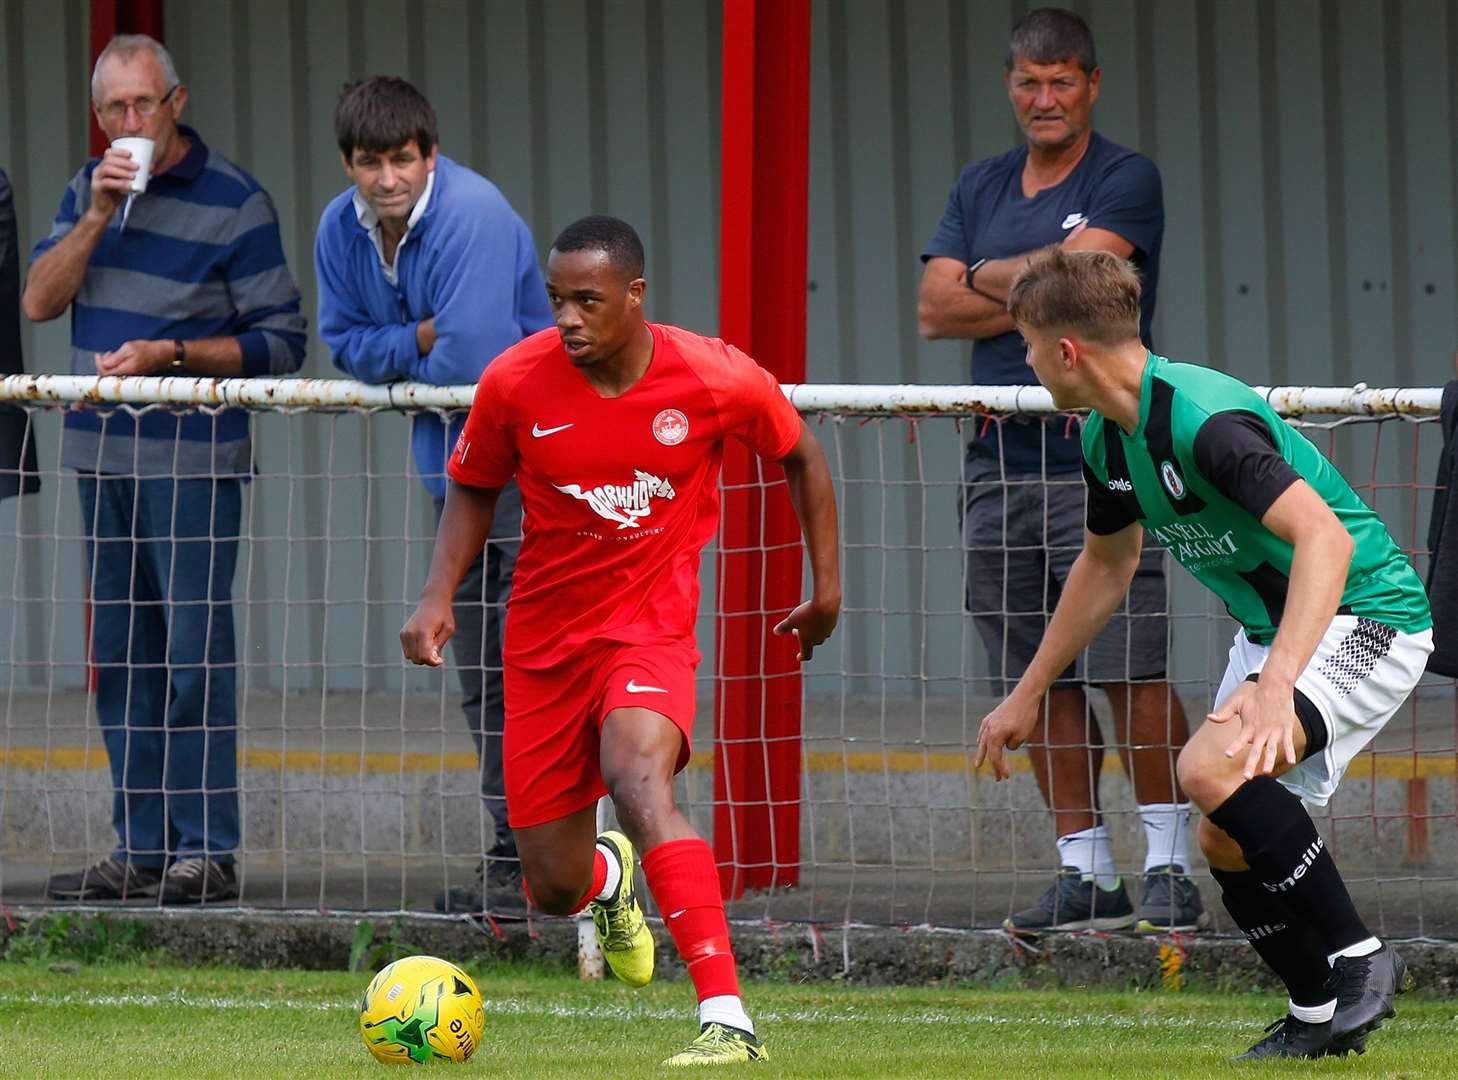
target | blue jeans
[{"x": 160, "y": 555}]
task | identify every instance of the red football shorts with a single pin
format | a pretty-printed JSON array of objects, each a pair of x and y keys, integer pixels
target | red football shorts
[{"x": 552, "y": 738}]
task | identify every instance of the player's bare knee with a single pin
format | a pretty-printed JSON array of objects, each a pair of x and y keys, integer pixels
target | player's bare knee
[
  {"x": 1219, "y": 847},
  {"x": 1201, "y": 774},
  {"x": 641, "y": 800},
  {"x": 1213, "y": 780},
  {"x": 555, "y": 885},
  {"x": 550, "y": 897},
  {"x": 1186, "y": 768},
  {"x": 625, "y": 785}
]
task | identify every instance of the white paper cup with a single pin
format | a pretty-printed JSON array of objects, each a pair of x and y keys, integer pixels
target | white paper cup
[{"x": 141, "y": 149}]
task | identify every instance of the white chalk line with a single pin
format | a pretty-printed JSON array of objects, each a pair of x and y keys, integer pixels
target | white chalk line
[{"x": 627, "y": 1013}]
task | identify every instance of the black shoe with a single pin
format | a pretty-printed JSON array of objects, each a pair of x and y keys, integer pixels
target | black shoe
[
  {"x": 198, "y": 880},
  {"x": 1072, "y": 903},
  {"x": 110, "y": 879},
  {"x": 1292, "y": 1038},
  {"x": 498, "y": 891},
  {"x": 1171, "y": 902},
  {"x": 1365, "y": 987}
]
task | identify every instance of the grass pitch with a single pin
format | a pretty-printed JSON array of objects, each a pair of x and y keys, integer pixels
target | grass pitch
[{"x": 65, "y": 1020}]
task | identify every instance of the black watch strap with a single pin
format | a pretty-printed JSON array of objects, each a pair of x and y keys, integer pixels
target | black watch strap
[
  {"x": 972, "y": 270},
  {"x": 179, "y": 353}
]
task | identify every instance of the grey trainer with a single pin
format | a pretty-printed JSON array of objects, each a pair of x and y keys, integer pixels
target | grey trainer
[
  {"x": 1171, "y": 902},
  {"x": 1071, "y": 903}
]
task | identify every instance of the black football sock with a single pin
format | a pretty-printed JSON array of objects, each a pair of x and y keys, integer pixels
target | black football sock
[
  {"x": 1288, "y": 945},
  {"x": 1282, "y": 846}
]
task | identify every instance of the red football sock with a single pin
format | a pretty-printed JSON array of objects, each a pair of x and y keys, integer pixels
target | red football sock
[
  {"x": 684, "y": 880},
  {"x": 599, "y": 879}
]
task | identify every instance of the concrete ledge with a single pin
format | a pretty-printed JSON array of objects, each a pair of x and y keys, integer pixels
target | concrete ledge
[{"x": 866, "y": 955}]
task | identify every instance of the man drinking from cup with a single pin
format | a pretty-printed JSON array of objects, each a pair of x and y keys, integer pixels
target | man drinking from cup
[{"x": 195, "y": 285}]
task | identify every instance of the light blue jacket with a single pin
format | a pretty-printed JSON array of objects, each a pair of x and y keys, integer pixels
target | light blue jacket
[{"x": 468, "y": 262}]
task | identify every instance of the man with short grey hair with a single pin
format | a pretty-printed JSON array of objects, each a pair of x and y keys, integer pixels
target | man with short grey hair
[
  {"x": 1065, "y": 185},
  {"x": 192, "y": 282}
]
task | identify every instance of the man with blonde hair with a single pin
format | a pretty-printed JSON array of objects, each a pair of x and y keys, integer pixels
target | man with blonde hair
[{"x": 1335, "y": 628}]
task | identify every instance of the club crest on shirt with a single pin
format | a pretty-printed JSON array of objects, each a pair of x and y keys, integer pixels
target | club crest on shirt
[
  {"x": 1173, "y": 483},
  {"x": 670, "y": 427},
  {"x": 624, "y": 504}
]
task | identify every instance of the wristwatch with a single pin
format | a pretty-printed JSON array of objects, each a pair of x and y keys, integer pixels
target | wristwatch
[
  {"x": 972, "y": 270},
  {"x": 179, "y": 355}
]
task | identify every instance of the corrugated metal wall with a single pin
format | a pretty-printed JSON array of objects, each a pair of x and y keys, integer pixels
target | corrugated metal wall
[
  {"x": 1307, "y": 153},
  {"x": 1306, "y": 147}
]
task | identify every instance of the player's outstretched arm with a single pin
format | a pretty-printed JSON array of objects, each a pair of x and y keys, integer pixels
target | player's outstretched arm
[
  {"x": 811, "y": 490},
  {"x": 1320, "y": 559},
  {"x": 1096, "y": 585},
  {"x": 464, "y": 526}
]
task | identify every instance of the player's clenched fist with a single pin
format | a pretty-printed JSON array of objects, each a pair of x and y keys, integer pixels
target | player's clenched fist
[{"x": 430, "y": 627}]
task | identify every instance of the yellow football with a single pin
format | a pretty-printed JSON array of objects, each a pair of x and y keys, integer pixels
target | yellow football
[{"x": 421, "y": 1009}]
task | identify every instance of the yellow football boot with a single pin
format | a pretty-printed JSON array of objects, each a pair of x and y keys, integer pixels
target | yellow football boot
[
  {"x": 623, "y": 936},
  {"x": 719, "y": 1044}
]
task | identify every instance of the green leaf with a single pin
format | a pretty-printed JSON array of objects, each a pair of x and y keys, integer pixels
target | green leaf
[{"x": 359, "y": 948}]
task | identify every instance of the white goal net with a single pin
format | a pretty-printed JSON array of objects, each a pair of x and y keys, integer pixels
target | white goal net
[{"x": 357, "y": 778}]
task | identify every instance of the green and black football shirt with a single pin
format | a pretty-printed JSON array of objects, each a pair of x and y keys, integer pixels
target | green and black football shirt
[{"x": 1206, "y": 462}]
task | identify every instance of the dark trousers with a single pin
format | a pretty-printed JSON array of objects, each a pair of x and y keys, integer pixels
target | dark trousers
[
  {"x": 480, "y": 611},
  {"x": 160, "y": 557},
  {"x": 1022, "y": 533}
]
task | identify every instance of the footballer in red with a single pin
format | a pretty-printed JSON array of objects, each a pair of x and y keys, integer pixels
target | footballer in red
[{"x": 614, "y": 429}]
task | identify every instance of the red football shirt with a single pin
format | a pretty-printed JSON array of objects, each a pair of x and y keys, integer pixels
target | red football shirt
[{"x": 619, "y": 495}]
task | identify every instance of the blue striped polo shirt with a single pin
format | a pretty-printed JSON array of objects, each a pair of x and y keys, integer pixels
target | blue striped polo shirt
[{"x": 200, "y": 257}]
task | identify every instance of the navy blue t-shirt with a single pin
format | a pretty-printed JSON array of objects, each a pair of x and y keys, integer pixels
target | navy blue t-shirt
[{"x": 987, "y": 217}]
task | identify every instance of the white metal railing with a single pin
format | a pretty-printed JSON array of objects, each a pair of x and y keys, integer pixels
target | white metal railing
[{"x": 272, "y": 393}]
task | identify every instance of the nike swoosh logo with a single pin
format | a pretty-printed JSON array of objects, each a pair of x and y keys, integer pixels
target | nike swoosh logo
[
  {"x": 634, "y": 688},
  {"x": 539, "y": 432},
  {"x": 1073, "y": 219}
]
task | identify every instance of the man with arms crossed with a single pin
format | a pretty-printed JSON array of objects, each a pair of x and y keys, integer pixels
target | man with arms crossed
[
  {"x": 1023, "y": 517},
  {"x": 426, "y": 273},
  {"x": 1335, "y": 626},
  {"x": 614, "y": 427}
]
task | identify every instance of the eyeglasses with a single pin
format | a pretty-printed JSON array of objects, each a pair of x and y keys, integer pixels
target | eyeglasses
[{"x": 144, "y": 107}]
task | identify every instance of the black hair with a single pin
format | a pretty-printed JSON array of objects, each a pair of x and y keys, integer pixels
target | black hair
[
  {"x": 613, "y": 236},
  {"x": 1051, "y": 35},
  {"x": 381, "y": 113}
]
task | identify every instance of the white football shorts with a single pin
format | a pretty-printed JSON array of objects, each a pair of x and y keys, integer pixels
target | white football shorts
[{"x": 1360, "y": 675}]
